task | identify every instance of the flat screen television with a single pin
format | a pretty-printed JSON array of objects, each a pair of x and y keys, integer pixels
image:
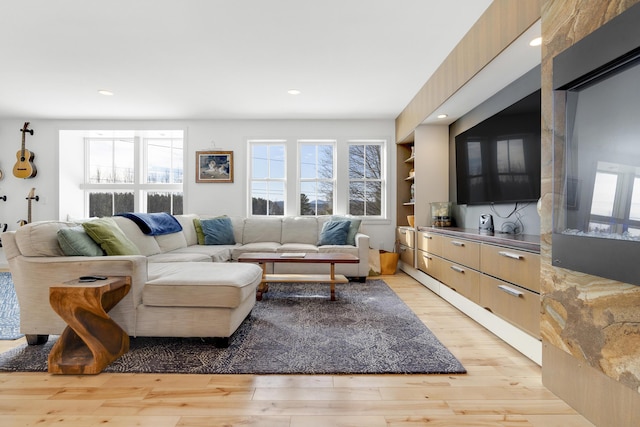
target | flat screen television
[{"x": 498, "y": 160}]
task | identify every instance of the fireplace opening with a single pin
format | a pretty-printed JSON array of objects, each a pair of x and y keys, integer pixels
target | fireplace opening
[{"x": 596, "y": 216}]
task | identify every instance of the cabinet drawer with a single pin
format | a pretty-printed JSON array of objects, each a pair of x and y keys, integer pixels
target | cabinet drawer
[
  {"x": 430, "y": 264},
  {"x": 406, "y": 236},
  {"x": 514, "y": 304},
  {"x": 430, "y": 242},
  {"x": 512, "y": 265},
  {"x": 407, "y": 256},
  {"x": 463, "y": 280},
  {"x": 462, "y": 251}
]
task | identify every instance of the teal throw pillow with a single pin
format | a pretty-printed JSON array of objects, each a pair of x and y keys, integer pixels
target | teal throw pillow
[
  {"x": 218, "y": 231},
  {"x": 334, "y": 233},
  {"x": 74, "y": 241},
  {"x": 110, "y": 237},
  {"x": 354, "y": 227}
]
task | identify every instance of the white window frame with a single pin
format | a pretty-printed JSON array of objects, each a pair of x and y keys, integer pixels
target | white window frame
[
  {"x": 382, "y": 143},
  {"x": 268, "y": 142},
  {"x": 332, "y": 181},
  {"x": 140, "y": 188}
]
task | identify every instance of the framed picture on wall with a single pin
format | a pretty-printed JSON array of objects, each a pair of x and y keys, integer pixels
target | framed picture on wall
[{"x": 214, "y": 166}]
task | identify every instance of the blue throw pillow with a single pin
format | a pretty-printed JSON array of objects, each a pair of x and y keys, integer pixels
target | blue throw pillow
[
  {"x": 218, "y": 231},
  {"x": 353, "y": 228},
  {"x": 334, "y": 233}
]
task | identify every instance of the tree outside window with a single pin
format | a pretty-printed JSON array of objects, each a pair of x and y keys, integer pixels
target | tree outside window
[
  {"x": 316, "y": 178},
  {"x": 366, "y": 178}
]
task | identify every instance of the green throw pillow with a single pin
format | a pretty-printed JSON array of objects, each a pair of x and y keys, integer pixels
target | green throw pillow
[
  {"x": 199, "y": 232},
  {"x": 74, "y": 241},
  {"x": 218, "y": 231},
  {"x": 110, "y": 237},
  {"x": 354, "y": 227},
  {"x": 334, "y": 233}
]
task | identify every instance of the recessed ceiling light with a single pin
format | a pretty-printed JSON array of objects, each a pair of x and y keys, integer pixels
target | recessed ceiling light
[
  {"x": 294, "y": 92},
  {"x": 536, "y": 42},
  {"x": 105, "y": 92},
  {"x": 442, "y": 116}
]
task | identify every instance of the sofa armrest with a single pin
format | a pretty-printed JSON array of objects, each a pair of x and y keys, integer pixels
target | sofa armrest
[
  {"x": 32, "y": 277},
  {"x": 362, "y": 243}
]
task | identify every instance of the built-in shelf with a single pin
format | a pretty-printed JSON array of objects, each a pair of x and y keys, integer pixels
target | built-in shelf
[
  {"x": 409, "y": 203},
  {"x": 410, "y": 178},
  {"x": 410, "y": 159}
]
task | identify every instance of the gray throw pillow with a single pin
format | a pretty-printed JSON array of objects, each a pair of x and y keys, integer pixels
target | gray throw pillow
[
  {"x": 334, "y": 233},
  {"x": 74, "y": 241},
  {"x": 354, "y": 227}
]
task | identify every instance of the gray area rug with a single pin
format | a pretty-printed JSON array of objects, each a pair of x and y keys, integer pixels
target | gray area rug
[
  {"x": 295, "y": 329},
  {"x": 9, "y": 309}
]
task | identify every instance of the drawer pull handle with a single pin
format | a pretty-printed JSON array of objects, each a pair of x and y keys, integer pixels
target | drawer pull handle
[
  {"x": 427, "y": 257},
  {"x": 510, "y": 255},
  {"x": 426, "y": 236},
  {"x": 457, "y": 243},
  {"x": 510, "y": 291},
  {"x": 403, "y": 231},
  {"x": 457, "y": 269}
]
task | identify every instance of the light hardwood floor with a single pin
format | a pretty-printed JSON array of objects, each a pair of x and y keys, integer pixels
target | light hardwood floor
[{"x": 501, "y": 388}]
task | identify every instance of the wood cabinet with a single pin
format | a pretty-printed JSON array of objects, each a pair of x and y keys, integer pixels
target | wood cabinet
[
  {"x": 406, "y": 238},
  {"x": 499, "y": 273}
]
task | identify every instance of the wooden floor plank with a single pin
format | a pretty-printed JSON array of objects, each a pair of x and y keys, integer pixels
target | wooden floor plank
[{"x": 501, "y": 388}]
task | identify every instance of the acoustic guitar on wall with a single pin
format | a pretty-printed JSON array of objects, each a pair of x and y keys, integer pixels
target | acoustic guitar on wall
[
  {"x": 30, "y": 197},
  {"x": 24, "y": 167}
]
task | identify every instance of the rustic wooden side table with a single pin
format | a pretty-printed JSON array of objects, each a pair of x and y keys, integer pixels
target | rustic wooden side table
[{"x": 92, "y": 340}]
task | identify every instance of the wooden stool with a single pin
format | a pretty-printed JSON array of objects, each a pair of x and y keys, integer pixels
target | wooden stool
[{"x": 92, "y": 340}]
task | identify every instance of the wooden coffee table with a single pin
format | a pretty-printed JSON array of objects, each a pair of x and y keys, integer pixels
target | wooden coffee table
[
  {"x": 309, "y": 258},
  {"x": 92, "y": 340}
]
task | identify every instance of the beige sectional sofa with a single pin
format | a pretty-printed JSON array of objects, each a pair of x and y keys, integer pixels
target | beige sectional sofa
[{"x": 179, "y": 287}]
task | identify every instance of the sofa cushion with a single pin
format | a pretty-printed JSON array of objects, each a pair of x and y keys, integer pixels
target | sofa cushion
[
  {"x": 215, "y": 253},
  {"x": 40, "y": 238},
  {"x": 262, "y": 230},
  {"x": 106, "y": 233},
  {"x": 297, "y": 247},
  {"x": 334, "y": 233},
  {"x": 354, "y": 227},
  {"x": 74, "y": 241},
  {"x": 170, "y": 242},
  {"x": 201, "y": 284},
  {"x": 188, "y": 230},
  {"x": 147, "y": 245},
  {"x": 269, "y": 247},
  {"x": 218, "y": 231},
  {"x": 300, "y": 230},
  {"x": 179, "y": 257}
]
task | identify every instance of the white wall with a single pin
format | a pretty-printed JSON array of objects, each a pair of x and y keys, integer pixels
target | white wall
[{"x": 202, "y": 198}]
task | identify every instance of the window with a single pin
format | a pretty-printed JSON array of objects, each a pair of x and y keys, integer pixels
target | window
[
  {"x": 267, "y": 177},
  {"x": 316, "y": 177},
  {"x": 615, "y": 201},
  {"x": 366, "y": 173},
  {"x": 331, "y": 177},
  {"x": 134, "y": 173}
]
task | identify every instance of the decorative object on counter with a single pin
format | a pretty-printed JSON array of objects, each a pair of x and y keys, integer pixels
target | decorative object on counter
[
  {"x": 411, "y": 220},
  {"x": 24, "y": 167},
  {"x": 4, "y": 198},
  {"x": 486, "y": 223},
  {"x": 413, "y": 193},
  {"x": 441, "y": 214}
]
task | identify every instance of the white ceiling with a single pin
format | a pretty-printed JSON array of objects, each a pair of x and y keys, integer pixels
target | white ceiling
[{"x": 198, "y": 59}]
